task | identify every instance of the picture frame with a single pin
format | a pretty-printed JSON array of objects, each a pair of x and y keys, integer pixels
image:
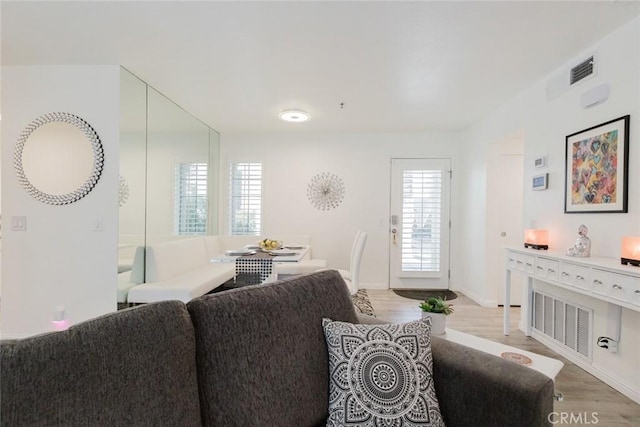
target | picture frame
[
  {"x": 596, "y": 173},
  {"x": 540, "y": 182}
]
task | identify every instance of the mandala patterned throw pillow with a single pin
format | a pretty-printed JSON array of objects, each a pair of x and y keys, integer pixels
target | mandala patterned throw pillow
[{"x": 381, "y": 375}]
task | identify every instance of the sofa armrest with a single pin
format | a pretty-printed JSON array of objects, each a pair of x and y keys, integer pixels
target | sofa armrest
[{"x": 476, "y": 388}]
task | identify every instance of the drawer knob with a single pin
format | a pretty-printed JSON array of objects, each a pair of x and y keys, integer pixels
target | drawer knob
[
  {"x": 597, "y": 282},
  {"x": 637, "y": 292},
  {"x": 529, "y": 264},
  {"x": 618, "y": 287},
  {"x": 540, "y": 268},
  {"x": 551, "y": 270},
  {"x": 565, "y": 274},
  {"x": 579, "y": 277}
]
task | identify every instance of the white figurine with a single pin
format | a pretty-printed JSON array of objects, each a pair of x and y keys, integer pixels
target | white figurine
[{"x": 582, "y": 247}]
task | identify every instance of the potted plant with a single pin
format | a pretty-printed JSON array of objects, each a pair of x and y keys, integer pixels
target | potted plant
[{"x": 437, "y": 309}]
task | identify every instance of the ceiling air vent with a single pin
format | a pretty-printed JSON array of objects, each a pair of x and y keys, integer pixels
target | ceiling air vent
[{"x": 582, "y": 70}]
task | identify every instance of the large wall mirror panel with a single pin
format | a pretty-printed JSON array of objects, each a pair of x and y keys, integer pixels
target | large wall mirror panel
[
  {"x": 177, "y": 187},
  {"x": 133, "y": 169},
  {"x": 169, "y": 169}
]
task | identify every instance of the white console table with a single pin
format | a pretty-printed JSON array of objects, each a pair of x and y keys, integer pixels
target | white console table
[{"x": 601, "y": 278}]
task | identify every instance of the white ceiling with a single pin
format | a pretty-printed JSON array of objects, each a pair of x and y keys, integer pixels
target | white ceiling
[{"x": 396, "y": 66}]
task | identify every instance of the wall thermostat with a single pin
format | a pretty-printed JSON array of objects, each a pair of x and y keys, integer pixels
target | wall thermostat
[
  {"x": 539, "y": 182},
  {"x": 540, "y": 162}
]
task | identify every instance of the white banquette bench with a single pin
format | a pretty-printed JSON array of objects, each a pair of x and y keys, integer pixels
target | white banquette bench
[{"x": 182, "y": 269}]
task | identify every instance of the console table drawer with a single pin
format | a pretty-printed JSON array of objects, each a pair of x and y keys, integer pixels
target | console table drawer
[
  {"x": 522, "y": 262},
  {"x": 525, "y": 263},
  {"x": 575, "y": 275},
  {"x": 616, "y": 286},
  {"x": 547, "y": 269},
  {"x": 511, "y": 259}
]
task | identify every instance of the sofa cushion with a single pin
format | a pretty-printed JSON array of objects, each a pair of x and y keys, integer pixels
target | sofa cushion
[
  {"x": 168, "y": 259},
  {"x": 381, "y": 375},
  {"x": 133, "y": 367},
  {"x": 261, "y": 354},
  {"x": 186, "y": 286}
]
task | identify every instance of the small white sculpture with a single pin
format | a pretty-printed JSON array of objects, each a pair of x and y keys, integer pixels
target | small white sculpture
[{"x": 582, "y": 247}]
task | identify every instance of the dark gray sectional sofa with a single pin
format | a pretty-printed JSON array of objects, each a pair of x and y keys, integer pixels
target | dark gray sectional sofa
[{"x": 254, "y": 356}]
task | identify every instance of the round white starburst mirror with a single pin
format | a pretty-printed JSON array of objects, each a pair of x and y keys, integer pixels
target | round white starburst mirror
[
  {"x": 58, "y": 158},
  {"x": 326, "y": 191}
]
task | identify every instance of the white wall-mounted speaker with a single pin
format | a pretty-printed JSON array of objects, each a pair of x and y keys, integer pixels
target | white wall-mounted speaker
[{"x": 595, "y": 96}]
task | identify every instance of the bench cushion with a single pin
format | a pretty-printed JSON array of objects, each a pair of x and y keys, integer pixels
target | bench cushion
[
  {"x": 186, "y": 286},
  {"x": 124, "y": 285},
  {"x": 169, "y": 259}
]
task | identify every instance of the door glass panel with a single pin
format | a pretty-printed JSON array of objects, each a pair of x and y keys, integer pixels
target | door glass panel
[
  {"x": 421, "y": 220},
  {"x": 419, "y": 238}
]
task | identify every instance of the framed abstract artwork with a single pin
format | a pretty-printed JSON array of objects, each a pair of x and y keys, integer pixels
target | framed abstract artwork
[{"x": 596, "y": 175}]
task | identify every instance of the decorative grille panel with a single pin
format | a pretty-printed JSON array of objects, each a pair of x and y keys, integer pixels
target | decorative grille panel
[{"x": 564, "y": 322}]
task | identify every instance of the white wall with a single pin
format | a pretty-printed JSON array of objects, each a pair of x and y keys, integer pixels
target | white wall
[
  {"x": 59, "y": 260},
  {"x": 362, "y": 161},
  {"x": 545, "y": 125}
]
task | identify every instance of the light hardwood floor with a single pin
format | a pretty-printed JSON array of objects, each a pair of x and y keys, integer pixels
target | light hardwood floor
[{"x": 584, "y": 394}]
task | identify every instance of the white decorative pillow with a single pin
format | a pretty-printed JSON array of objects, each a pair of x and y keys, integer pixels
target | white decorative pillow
[{"x": 381, "y": 375}]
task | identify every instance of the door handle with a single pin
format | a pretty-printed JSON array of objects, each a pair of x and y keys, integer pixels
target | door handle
[{"x": 394, "y": 232}]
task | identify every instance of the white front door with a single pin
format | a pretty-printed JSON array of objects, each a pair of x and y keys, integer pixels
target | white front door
[{"x": 419, "y": 226}]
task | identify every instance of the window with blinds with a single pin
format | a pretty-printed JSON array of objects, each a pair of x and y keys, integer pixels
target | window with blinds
[
  {"x": 191, "y": 199},
  {"x": 421, "y": 220},
  {"x": 245, "y": 198}
]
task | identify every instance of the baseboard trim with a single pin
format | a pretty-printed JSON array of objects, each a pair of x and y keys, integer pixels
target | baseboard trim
[
  {"x": 617, "y": 383},
  {"x": 477, "y": 298},
  {"x": 374, "y": 286}
]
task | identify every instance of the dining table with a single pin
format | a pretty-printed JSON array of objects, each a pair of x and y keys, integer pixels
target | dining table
[{"x": 255, "y": 265}]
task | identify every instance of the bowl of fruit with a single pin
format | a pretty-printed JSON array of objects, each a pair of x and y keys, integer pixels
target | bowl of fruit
[{"x": 270, "y": 245}]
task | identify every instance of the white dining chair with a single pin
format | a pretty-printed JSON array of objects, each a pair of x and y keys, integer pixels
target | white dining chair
[{"x": 352, "y": 276}]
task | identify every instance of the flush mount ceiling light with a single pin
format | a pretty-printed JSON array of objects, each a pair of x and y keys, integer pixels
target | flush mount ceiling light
[{"x": 294, "y": 116}]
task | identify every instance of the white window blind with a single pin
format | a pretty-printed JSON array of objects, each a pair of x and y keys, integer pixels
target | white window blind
[
  {"x": 191, "y": 201},
  {"x": 245, "y": 198},
  {"x": 421, "y": 220}
]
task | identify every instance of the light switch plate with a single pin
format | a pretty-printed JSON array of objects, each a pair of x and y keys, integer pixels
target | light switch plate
[{"x": 19, "y": 223}]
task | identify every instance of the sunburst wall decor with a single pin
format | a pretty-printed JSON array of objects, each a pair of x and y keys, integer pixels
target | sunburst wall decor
[
  {"x": 123, "y": 192},
  {"x": 326, "y": 191}
]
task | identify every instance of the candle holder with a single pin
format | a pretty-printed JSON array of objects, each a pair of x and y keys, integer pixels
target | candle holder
[
  {"x": 536, "y": 239},
  {"x": 630, "y": 251}
]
